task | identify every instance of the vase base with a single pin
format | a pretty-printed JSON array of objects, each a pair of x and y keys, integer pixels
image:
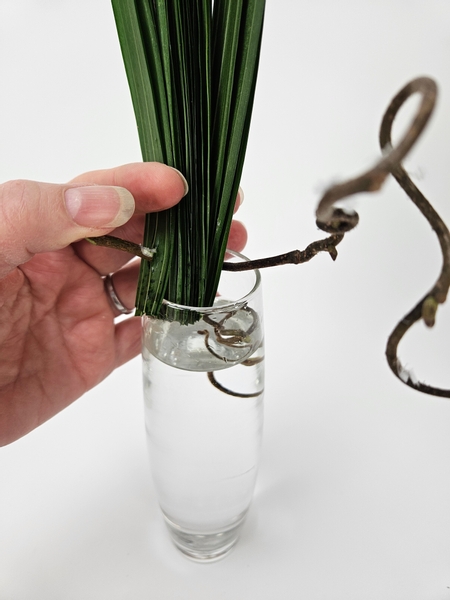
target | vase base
[{"x": 205, "y": 547}]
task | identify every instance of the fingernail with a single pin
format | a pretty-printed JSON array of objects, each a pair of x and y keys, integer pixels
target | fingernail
[
  {"x": 99, "y": 206},
  {"x": 241, "y": 196},
  {"x": 239, "y": 199},
  {"x": 183, "y": 179}
]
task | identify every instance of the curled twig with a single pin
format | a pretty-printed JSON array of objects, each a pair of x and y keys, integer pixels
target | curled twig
[
  {"x": 371, "y": 181},
  {"x": 233, "y": 338},
  {"x": 426, "y": 308},
  {"x": 210, "y": 349},
  {"x": 225, "y": 390},
  {"x": 230, "y": 337},
  {"x": 332, "y": 220},
  {"x": 337, "y": 222}
]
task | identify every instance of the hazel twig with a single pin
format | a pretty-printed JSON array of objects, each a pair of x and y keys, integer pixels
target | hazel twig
[
  {"x": 331, "y": 219},
  {"x": 338, "y": 222},
  {"x": 372, "y": 180},
  {"x": 109, "y": 241},
  {"x": 427, "y": 307}
]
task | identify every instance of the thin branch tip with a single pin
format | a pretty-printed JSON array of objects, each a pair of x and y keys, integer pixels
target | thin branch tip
[
  {"x": 429, "y": 310},
  {"x": 110, "y": 241}
]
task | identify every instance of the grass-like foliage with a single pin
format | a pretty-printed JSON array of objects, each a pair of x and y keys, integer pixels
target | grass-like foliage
[{"x": 192, "y": 68}]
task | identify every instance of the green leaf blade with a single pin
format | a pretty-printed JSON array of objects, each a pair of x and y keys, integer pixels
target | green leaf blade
[{"x": 191, "y": 67}]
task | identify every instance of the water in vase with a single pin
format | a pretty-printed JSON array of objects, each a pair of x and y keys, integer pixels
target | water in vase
[{"x": 204, "y": 415}]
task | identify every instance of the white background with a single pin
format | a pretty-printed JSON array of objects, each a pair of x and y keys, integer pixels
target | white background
[{"x": 353, "y": 497}]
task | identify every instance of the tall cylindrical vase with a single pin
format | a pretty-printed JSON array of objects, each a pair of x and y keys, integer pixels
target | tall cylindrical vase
[{"x": 203, "y": 388}]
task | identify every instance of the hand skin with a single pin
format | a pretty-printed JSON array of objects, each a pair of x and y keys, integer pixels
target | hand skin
[{"x": 58, "y": 337}]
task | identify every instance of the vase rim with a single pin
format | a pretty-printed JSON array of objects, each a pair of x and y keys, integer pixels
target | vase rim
[{"x": 232, "y": 304}]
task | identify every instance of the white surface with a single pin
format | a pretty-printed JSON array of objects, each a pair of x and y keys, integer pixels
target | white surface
[{"x": 353, "y": 497}]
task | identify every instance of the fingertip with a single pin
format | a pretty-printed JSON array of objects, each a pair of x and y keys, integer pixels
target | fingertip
[
  {"x": 157, "y": 187},
  {"x": 238, "y": 236},
  {"x": 183, "y": 180}
]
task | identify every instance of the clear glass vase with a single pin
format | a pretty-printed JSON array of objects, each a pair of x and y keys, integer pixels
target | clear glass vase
[{"x": 203, "y": 390}]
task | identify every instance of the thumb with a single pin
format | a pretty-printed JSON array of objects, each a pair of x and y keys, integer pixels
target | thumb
[{"x": 41, "y": 217}]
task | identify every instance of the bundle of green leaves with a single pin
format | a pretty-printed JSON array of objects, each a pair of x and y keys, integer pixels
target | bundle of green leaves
[{"x": 191, "y": 68}]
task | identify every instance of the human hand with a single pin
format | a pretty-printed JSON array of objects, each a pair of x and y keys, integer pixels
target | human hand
[{"x": 58, "y": 337}]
